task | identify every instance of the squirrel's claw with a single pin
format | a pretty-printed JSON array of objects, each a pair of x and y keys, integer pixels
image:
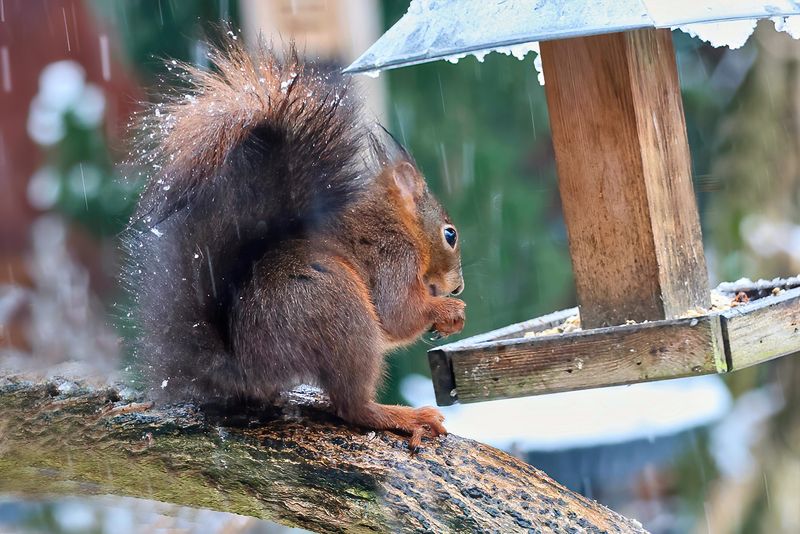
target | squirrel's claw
[{"x": 427, "y": 424}]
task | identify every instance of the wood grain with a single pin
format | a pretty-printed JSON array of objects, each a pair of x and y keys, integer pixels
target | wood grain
[
  {"x": 762, "y": 330},
  {"x": 595, "y": 358},
  {"x": 625, "y": 176},
  {"x": 444, "y": 383}
]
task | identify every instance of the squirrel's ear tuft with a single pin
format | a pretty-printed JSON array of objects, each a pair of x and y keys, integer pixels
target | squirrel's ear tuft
[{"x": 409, "y": 183}]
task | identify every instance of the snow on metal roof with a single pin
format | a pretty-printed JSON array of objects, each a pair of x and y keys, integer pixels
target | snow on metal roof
[{"x": 450, "y": 29}]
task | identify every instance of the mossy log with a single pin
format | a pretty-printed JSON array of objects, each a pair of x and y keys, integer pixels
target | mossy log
[{"x": 295, "y": 464}]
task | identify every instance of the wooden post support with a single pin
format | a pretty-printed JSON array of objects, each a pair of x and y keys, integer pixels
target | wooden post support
[{"x": 625, "y": 176}]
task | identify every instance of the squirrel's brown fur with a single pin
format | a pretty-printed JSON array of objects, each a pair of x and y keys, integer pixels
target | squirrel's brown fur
[{"x": 280, "y": 241}]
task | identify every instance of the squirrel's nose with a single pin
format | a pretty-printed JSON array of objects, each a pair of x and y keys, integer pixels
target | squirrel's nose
[{"x": 458, "y": 290}]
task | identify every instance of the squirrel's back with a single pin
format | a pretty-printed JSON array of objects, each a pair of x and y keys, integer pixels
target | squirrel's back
[{"x": 258, "y": 151}]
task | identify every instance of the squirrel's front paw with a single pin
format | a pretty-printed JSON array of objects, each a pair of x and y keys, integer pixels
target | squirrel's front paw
[{"x": 449, "y": 316}]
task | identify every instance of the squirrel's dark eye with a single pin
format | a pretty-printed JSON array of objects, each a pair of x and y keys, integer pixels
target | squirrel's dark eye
[{"x": 450, "y": 236}]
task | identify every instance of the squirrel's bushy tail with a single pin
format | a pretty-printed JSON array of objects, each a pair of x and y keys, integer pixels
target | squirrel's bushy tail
[
  {"x": 258, "y": 150},
  {"x": 286, "y": 129}
]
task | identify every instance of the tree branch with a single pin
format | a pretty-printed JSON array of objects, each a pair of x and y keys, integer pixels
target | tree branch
[{"x": 295, "y": 464}]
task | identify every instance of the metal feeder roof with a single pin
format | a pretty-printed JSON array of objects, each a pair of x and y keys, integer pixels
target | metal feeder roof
[{"x": 438, "y": 29}]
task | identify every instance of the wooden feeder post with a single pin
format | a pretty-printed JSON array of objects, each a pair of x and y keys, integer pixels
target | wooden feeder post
[{"x": 625, "y": 176}]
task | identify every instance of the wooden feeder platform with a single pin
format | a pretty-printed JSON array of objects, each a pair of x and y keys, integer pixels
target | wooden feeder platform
[{"x": 525, "y": 359}]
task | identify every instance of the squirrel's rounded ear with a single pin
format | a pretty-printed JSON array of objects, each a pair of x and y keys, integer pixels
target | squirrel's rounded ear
[{"x": 409, "y": 182}]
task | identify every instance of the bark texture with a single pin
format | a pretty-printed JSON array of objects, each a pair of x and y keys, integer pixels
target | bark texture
[{"x": 295, "y": 464}]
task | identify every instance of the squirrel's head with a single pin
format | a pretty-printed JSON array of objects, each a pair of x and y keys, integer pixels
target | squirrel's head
[{"x": 436, "y": 230}]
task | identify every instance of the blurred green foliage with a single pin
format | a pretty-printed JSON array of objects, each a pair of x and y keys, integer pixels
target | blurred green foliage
[
  {"x": 151, "y": 31},
  {"x": 80, "y": 171}
]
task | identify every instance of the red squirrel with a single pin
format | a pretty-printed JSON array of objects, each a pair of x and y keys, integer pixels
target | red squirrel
[{"x": 282, "y": 240}]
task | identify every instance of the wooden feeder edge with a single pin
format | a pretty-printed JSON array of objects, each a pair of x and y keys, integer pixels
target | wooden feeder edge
[{"x": 503, "y": 363}]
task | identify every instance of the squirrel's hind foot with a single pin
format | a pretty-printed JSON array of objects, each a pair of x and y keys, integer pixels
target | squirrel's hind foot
[{"x": 418, "y": 423}]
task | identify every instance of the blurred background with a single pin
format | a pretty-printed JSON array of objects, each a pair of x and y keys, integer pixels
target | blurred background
[{"x": 698, "y": 455}]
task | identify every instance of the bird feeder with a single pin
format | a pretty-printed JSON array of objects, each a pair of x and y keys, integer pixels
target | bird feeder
[{"x": 625, "y": 182}]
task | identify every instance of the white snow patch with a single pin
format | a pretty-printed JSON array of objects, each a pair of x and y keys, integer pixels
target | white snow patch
[
  {"x": 790, "y": 25},
  {"x": 65, "y": 388},
  {"x": 733, "y": 33},
  {"x": 519, "y": 51},
  {"x": 44, "y": 187},
  {"x": 454, "y": 58}
]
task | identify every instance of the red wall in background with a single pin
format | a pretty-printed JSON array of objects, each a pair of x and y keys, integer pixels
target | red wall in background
[
  {"x": 33, "y": 34},
  {"x": 64, "y": 29}
]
